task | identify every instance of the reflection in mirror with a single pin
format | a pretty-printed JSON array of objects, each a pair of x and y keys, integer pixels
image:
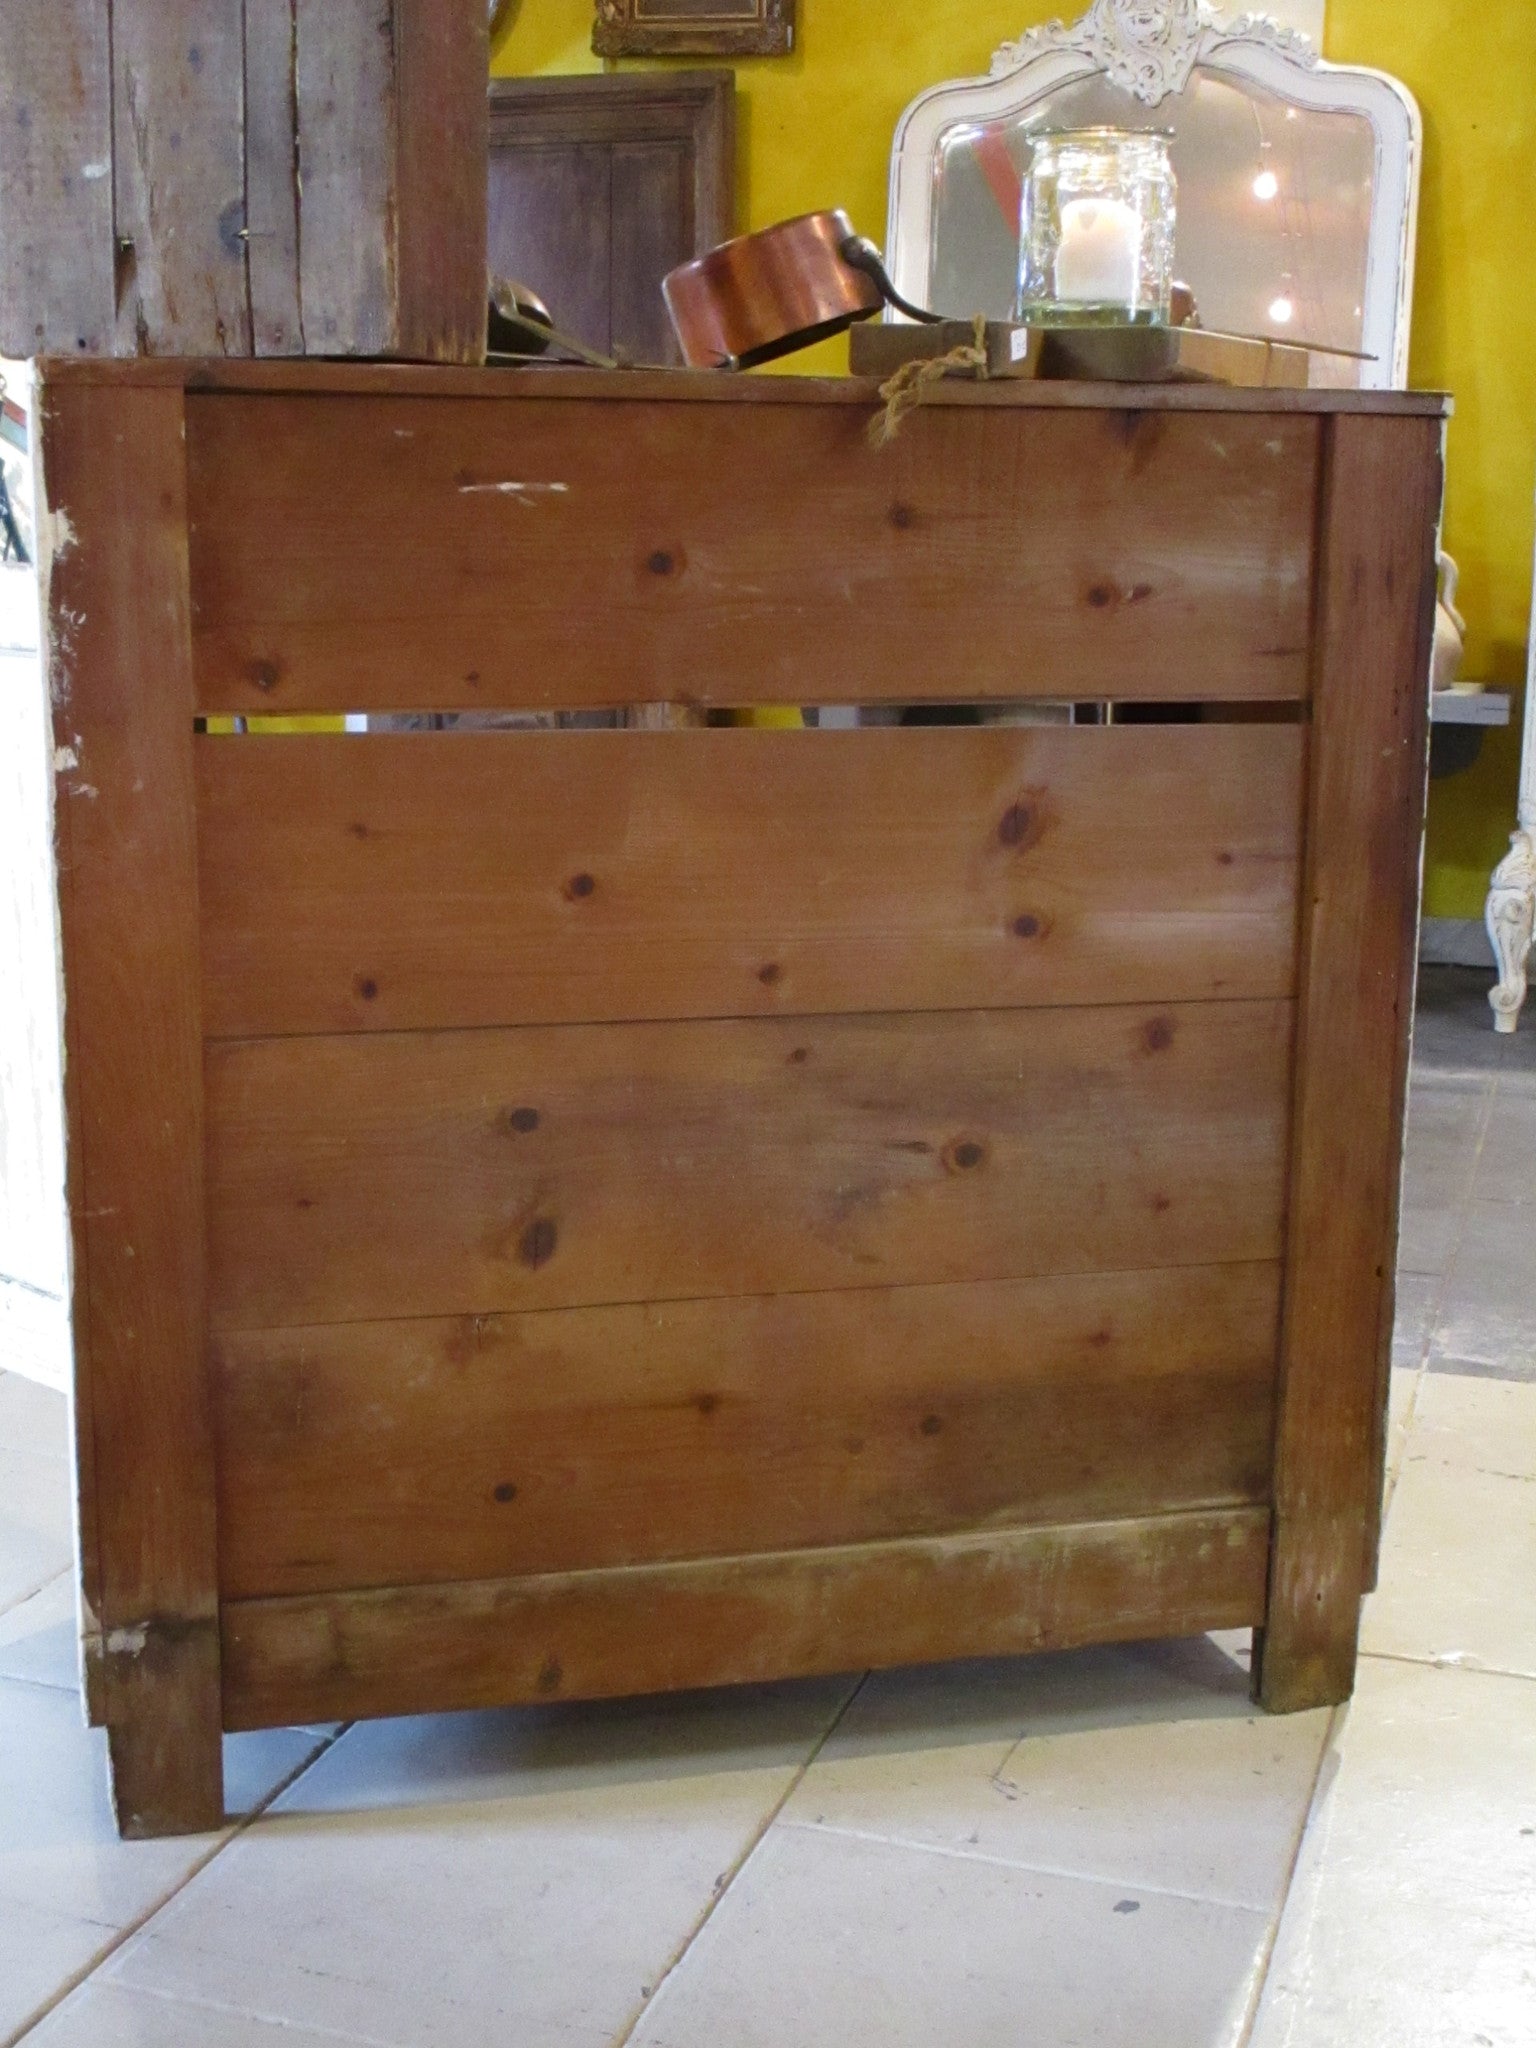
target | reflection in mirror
[{"x": 1274, "y": 208}]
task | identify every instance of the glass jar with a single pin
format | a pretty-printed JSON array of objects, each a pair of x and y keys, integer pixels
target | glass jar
[{"x": 1096, "y": 234}]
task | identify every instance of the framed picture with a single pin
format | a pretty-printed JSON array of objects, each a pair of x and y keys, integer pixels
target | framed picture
[{"x": 694, "y": 28}]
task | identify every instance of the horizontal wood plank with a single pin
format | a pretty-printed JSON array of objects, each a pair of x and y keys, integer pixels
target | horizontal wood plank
[
  {"x": 422, "y": 880},
  {"x": 661, "y": 1628},
  {"x": 443, "y": 1173},
  {"x": 561, "y": 556},
  {"x": 488, "y": 1447}
]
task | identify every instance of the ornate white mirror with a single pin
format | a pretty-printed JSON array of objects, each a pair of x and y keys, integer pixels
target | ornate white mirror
[{"x": 1298, "y": 180}]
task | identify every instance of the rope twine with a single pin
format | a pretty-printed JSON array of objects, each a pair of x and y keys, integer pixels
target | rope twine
[{"x": 904, "y": 391}]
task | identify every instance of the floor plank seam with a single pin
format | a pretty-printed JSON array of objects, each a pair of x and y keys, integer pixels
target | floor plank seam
[
  {"x": 960, "y": 1854},
  {"x": 10, "y": 1606},
  {"x": 195, "y": 2002},
  {"x": 723, "y": 1885},
  {"x": 1327, "y": 1750},
  {"x": 221, "y": 1842},
  {"x": 1448, "y": 1660}
]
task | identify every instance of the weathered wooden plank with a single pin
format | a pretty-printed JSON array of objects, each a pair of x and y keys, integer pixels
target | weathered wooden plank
[
  {"x": 442, "y": 1173},
  {"x": 442, "y": 56},
  {"x": 377, "y": 1454},
  {"x": 56, "y": 271},
  {"x": 121, "y": 680},
  {"x": 1359, "y": 917},
  {"x": 178, "y": 115},
  {"x": 392, "y": 137},
  {"x": 429, "y": 879},
  {"x": 346, "y": 94},
  {"x": 661, "y": 1628},
  {"x": 561, "y": 558},
  {"x": 272, "y": 177}
]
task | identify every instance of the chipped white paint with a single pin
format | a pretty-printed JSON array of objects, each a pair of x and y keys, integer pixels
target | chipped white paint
[
  {"x": 127, "y": 1642},
  {"x": 525, "y": 494},
  {"x": 91, "y": 172},
  {"x": 64, "y": 758}
]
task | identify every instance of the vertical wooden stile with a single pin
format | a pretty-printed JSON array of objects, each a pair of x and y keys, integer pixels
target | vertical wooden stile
[
  {"x": 121, "y": 679},
  {"x": 1360, "y": 899}
]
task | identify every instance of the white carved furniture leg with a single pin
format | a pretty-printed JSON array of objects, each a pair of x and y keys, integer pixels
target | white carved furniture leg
[
  {"x": 1512, "y": 893},
  {"x": 1510, "y": 917}
]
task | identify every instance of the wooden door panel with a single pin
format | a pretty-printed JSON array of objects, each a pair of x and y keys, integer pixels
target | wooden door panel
[{"x": 550, "y": 229}]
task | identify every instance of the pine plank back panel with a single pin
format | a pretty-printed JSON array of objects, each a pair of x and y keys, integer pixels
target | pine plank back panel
[{"x": 633, "y": 1209}]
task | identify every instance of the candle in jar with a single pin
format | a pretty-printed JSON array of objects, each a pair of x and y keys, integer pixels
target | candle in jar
[{"x": 1099, "y": 256}]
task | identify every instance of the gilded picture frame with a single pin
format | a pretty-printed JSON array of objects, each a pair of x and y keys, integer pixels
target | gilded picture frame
[{"x": 694, "y": 28}]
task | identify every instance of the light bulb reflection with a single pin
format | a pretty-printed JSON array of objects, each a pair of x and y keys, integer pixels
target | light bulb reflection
[
  {"x": 1282, "y": 311},
  {"x": 1266, "y": 186}
]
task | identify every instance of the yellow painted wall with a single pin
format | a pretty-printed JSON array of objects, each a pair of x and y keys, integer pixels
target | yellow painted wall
[
  {"x": 816, "y": 130},
  {"x": 1473, "y": 70}
]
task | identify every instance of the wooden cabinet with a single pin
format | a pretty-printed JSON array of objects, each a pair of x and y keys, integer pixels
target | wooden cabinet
[{"x": 564, "y": 1213}]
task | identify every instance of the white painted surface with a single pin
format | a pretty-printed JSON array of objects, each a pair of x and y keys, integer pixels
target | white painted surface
[{"x": 33, "y": 1234}]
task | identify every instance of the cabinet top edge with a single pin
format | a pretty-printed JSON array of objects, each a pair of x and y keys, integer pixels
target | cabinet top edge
[{"x": 309, "y": 376}]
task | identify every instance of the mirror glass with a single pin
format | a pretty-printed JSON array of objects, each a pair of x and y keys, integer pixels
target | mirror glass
[{"x": 1274, "y": 207}]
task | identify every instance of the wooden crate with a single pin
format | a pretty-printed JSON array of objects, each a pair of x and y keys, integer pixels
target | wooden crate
[
  {"x": 243, "y": 177},
  {"x": 566, "y": 1213}
]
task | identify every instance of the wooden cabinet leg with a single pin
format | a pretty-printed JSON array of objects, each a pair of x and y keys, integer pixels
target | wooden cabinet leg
[
  {"x": 1360, "y": 907},
  {"x": 164, "y": 1742}
]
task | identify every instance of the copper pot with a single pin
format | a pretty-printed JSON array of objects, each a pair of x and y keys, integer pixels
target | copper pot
[{"x": 766, "y": 294}]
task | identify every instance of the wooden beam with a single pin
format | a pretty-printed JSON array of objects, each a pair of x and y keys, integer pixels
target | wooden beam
[
  {"x": 662, "y": 1628},
  {"x": 119, "y": 619},
  {"x": 1381, "y": 504}
]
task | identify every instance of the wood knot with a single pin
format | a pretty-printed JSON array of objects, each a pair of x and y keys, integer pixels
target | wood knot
[
  {"x": 1102, "y": 595},
  {"x": 930, "y": 1425},
  {"x": 505, "y": 1492},
  {"x": 1013, "y": 829},
  {"x": 771, "y": 975},
  {"x": 660, "y": 562},
  {"x": 901, "y": 516},
  {"x": 964, "y": 1155},
  {"x": 266, "y": 675},
  {"x": 551, "y": 1673},
  {"x": 358, "y": 831},
  {"x": 536, "y": 1246},
  {"x": 799, "y": 1056},
  {"x": 579, "y": 886},
  {"x": 1157, "y": 1035},
  {"x": 1027, "y": 925},
  {"x": 523, "y": 1119},
  {"x": 367, "y": 987},
  {"x": 706, "y": 1403}
]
